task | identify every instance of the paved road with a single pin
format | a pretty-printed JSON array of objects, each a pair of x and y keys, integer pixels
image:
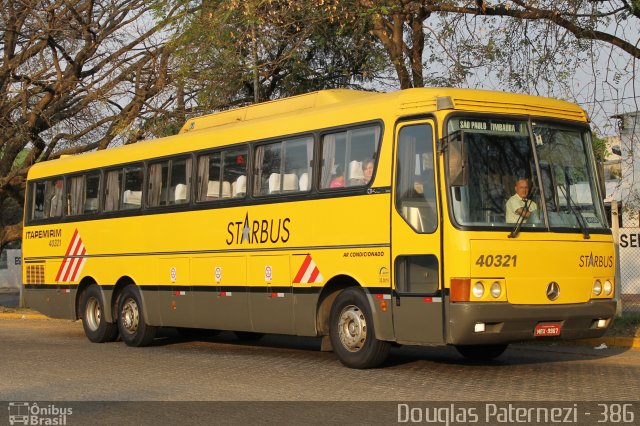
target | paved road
[{"x": 51, "y": 360}]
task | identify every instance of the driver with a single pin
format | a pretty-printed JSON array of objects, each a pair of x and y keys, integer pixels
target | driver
[{"x": 519, "y": 205}]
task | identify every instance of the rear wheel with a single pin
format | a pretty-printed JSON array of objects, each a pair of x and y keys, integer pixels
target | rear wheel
[
  {"x": 481, "y": 352},
  {"x": 133, "y": 329},
  {"x": 352, "y": 334},
  {"x": 96, "y": 328}
]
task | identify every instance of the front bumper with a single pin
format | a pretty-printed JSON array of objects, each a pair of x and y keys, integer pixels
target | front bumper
[{"x": 506, "y": 323}]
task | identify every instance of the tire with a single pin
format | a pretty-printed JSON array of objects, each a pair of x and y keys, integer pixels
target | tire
[
  {"x": 133, "y": 329},
  {"x": 481, "y": 352},
  {"x": 92, "y": 311},
  {"x": 248, "y": 335},
  {"x": 352, "y": 332}
]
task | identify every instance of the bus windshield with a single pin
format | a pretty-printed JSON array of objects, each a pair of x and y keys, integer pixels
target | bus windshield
[{"x": 494, "y": 180}]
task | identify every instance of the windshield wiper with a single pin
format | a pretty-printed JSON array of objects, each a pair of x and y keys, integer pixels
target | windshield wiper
[
  {"x": 516, "y": 229},
  {"x": 582, "y": 223}
]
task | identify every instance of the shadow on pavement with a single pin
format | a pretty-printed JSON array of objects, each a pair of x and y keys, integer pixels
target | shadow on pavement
[{"x": 526, "y": 353}]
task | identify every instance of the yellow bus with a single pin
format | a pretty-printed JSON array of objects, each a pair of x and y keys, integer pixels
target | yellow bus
[{"x": 423, "y": 217}]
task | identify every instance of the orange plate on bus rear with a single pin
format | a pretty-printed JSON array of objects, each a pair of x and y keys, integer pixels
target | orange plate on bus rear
[{"x": 547, "y": 329}]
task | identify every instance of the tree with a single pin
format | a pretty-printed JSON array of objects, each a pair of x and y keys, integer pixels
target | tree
[
  {"x": 266, "y": 49},
  {"x": 75, "y": 76},
  {"x": 400, "y": 26}
]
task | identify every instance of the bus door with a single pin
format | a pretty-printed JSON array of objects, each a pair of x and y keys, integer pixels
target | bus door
[{"x": 415, "y": 233}]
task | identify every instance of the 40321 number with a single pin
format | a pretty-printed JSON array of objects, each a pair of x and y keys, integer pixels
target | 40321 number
[{"x": 497, "y": 260}]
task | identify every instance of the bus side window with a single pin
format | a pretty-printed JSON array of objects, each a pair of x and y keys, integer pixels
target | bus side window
[
  {"x": 208, "y": 177},
  {"x": 48, "y": 199},
  {"x": 83, "y": 194},
  {"x": 235, "y": 173},
  {"x": 132, "y": 194},
  {"x": 54, "y": 198},
  {"x": 37, "y": 200},
  {"x": 280, "y": 166},
  {"x": 298, "y": 157},
  {"x": 180, "y": 181},
  {"x": 348, "y": 157},
  {"x": 157, "y": 184},
  {"x": 267, "y": 169},
  {"x": 91, "y": 192},
  {"x": 415, "y": 178},
  {"x": 112, "y": 190}
]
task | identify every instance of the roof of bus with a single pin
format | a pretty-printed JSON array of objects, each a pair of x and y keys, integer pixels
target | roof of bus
[{"x": 317, "y": 110}]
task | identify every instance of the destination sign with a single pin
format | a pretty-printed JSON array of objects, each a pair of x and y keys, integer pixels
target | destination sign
[{"x": 491, "y": 126}]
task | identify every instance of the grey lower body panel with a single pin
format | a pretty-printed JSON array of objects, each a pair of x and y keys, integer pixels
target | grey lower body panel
[
  {"x": 53, "y": 302},
  {"x": 506, "y": 323},
  {"x": 237, "y": 309}
]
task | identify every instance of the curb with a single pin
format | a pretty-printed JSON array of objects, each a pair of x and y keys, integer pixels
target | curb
[
  {"x": 619, "y": 342},
  {"x": 23, "y": 316}
]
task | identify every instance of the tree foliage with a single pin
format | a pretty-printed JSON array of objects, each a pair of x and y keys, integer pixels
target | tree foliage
[
  {"x": 487, "y": 31},
  {"x": 75, "y": 76},
  {"x": 266, "y": 49}
]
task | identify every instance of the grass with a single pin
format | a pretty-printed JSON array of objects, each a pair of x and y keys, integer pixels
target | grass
[{"x": 627, "y": 325}]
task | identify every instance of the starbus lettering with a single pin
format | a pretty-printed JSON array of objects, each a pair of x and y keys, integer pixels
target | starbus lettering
[
  {"x": 595, "y": 261},
  {"x": 260, "y": 231}
]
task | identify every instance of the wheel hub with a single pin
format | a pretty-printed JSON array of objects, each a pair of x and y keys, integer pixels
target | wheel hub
[
  {"x": 92, "y": 314},
  {"x": 352, "y": 328},
  {"x": 130, "y": 316}
]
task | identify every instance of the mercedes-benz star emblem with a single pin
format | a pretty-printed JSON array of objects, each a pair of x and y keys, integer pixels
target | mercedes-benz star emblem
[{"x": 553, "y": 290}]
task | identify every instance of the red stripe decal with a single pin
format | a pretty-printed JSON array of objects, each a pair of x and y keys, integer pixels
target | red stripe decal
[
  {"x": 314, "y": 274},
  {"x": 75, "y": 234},
  {"x": 74, "y": 261},
  {"x": 74, "y": 275},
  {"x": 61, "y": 269},
  {"x": 303, "y": 269}
]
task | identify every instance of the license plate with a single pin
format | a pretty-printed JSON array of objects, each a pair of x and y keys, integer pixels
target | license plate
[{"x": 547, "y": 329}]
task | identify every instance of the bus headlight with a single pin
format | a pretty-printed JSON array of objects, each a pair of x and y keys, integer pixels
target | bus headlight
[
  {"x": 478, "y": 290},
  {"x": 597, "y": 288},
  {"x": 496, "y": 289},
  {"x": 607, "y": 287}
]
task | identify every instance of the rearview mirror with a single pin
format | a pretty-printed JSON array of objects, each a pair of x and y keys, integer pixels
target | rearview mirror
[{"x": 457, "y": 160}]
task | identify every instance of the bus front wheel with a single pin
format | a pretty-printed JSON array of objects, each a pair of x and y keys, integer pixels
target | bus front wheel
[
  {"x": 481, "y": 352},
  {"x": 96, "y": 328},
  {"x": 352, "y": 334},
  {"x": 133, "y": 329}
]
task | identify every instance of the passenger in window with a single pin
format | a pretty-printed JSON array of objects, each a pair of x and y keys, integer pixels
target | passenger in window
[
  {"x": 360, "y": 172},
  {"x": 519, "y": 205},
  {"x": 337, "y": 181},
  {"x": 367, "y": 170}
]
